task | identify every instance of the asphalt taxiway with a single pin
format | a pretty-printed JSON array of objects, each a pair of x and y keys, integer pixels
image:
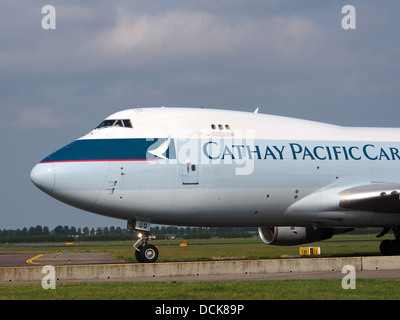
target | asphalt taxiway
[{"x": 60, "y": 258}]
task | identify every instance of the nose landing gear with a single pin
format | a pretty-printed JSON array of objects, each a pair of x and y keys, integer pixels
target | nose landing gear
[{"x": 144, "y": 252}]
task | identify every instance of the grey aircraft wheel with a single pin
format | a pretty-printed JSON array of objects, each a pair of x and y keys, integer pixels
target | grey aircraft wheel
[{"x": 148, "y": 253}]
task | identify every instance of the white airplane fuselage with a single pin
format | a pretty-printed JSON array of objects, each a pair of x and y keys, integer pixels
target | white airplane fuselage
[{"x": 199, "y": 167}]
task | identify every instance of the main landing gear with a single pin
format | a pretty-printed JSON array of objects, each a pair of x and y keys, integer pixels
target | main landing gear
[
  {"x": 144, "y": 252},
  {"x": 390, "y": 247}
]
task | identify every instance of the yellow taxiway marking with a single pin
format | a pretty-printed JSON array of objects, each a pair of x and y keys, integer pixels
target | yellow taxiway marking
[
  {"x": 56, "y": 259},
  {"x": 34, "y": 258},
  {"x": 31, "y": 260}
]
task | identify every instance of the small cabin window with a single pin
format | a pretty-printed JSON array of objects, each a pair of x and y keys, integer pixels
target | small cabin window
[
  {"x": 220, "y": 127},
  {"x": 227, "y": 127},
  {"x": 213, "y": 126}
]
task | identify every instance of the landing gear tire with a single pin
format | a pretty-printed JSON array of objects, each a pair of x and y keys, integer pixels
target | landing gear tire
[
  {"x": 137, "y": 253},
  {"x": 390, "y": 247},
  {"x": 386, "y": 247},
  {"x": 148, "y": 253}
]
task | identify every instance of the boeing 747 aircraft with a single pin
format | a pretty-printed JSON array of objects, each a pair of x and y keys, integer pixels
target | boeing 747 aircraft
[{"x": 298, "y": 181}]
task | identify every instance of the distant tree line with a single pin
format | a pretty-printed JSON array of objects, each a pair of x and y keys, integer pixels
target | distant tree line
[{"x": 66, "y": 233}]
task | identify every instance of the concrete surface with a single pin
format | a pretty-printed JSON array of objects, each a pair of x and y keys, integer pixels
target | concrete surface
[{"x": 174, "y": 271}]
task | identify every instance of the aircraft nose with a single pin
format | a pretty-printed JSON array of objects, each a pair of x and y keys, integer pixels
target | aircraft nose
[{"x": 43, "y": 176}]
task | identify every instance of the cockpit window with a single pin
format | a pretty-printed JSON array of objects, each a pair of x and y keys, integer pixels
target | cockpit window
[
  {"x": 115, "y": 123},
  {"x": 106, "y": 123},
  {"x": 127, "y": 123}
]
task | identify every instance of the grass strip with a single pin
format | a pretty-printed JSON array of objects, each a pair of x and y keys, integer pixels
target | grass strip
[{"x": 366, "y": 289}]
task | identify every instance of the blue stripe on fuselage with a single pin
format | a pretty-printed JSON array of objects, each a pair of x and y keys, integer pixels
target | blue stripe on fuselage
[{"x": 109, "y": 150}]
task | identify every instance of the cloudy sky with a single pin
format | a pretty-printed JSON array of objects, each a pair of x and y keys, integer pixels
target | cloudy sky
[{"x": 290, "y": 58}]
